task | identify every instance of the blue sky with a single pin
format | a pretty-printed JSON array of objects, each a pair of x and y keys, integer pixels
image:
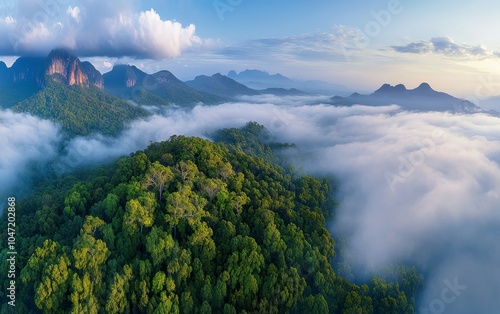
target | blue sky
[{"x": 452, "y": 45}]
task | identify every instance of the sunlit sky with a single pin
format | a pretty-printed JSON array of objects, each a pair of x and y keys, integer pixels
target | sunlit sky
[{"x": 452, "y": 45}]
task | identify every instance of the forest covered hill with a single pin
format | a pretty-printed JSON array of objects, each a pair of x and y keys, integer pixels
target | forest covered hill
[
  {"x": 190, "y": 226},
  {"x": 81, "y": 111}
]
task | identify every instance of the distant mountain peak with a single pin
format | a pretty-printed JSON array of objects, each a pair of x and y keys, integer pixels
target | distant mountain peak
[
  {"x": 424, "y": 87},
  {"x": 254, "y": 71},
  {"x": 255, "y": 74},
  {"x": 123, "y": 66},
  {"x": 61, "y": 53},
  {"x": 166, "y": 77},
  {"x": 124, "y": 75},
  {"x": 422, "y": 98},
  {"x": 261, "y": 79},
  {"x": 220, "y": 85},
  {"x": 389, "y": 89},
  {"x": 400, "y": 87},
  {"x": 95, "y": 77}
]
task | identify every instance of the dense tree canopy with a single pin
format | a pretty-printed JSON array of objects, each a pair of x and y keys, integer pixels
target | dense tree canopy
[
  {"x": 80, "y": 111},
  {"x": 190, "y": 226}
]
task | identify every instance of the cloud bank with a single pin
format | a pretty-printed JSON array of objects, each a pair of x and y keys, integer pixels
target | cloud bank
[
  {"x": 415, "y": 188},
  {"x": 448, "y": 47},
  {"x": 332, "y": 45},
  {"x": 24, "y": 140},
  {"x": 94, "y": 28}
]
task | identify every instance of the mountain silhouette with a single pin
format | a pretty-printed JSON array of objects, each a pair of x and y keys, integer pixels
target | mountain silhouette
[{"x": 422, "y": 98}]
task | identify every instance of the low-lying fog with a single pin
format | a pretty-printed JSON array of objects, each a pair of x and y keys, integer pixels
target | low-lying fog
[{"x": 417, "y": 188}]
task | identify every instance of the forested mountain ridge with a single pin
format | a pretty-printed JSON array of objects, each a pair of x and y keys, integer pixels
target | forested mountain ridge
[
  {"x": 226, "y": 87},
  {"x": 64, "y": 90},
  {"x": 80, "y": 111},
  {"x": 160, "y": 88},
  {"x": 29, "y": 75},
  {"x": 221, "y": 85},
  {"x": 189, "y": 226},
  {"x": 75, "y": 94}
]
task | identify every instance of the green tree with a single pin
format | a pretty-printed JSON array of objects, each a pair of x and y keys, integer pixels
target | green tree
[
  {"x": 139, "y": 212},
  {"x": 244, "y": 267},
  {"x": 91, "y": 224},
  {"x": 187, "y": 171},
  {"x": 184, "y": 205},
  {"x": 212, "y": 187},
  {"x": 117, "y": 300},
  {"x": 49, "y": 269},
  {"x": 158, "y": 177},
  {"x": 82, "y": 297},
  {"x": 159, "y": 244}
]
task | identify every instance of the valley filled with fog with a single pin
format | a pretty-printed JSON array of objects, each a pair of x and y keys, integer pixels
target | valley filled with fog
[{"x": 414, "y": 188}]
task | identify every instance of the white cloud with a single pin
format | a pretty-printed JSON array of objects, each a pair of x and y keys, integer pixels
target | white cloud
[
  {"x": 74, "y": 13},
  {"x": 335, "y": 45},
  {"x": 448, "y": 47},
  {"x": 440, "y": 214},
  {"x": 161, "y": 38},
  {"x": 97, "y": 28},
  {"x": 24, "y": 139},
  {"x": 8, "y": 20}
]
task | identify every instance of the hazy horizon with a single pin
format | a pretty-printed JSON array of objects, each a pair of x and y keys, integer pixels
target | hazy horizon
[{"x": 360, "y": 46}]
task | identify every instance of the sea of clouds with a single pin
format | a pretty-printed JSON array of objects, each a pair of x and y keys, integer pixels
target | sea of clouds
[{"x": 415, "y": 188}]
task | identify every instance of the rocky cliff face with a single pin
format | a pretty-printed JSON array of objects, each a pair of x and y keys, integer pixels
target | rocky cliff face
[
  {"x": 95, "y": 77},
  {"x": 68, "y": 68},
  {"x": 60, "y": 65}
]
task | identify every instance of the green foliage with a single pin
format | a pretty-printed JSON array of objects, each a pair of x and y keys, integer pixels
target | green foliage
[
  {"x": 159, "y": 89},
  {"x": 80, "y": 111},
  {"x": 231, "y": 232},
  {"x": 12, "y": 93},
  {"x": 144, "y": 97}
]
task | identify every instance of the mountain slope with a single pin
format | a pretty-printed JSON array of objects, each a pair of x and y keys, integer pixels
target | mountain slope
[
  {"x": 221, "y": 85},
  {"x": 126, "y": 81},
  {"x": 12, "y": 93},
  {"x": 190, "y": 226},
  {"x": 29, "y": 74},
  {"x": 79, "y": 110},
  {"x": 260, "y": 80},
  {"x": 422, "y": 98},
  {"x": 94, "y": 76}
]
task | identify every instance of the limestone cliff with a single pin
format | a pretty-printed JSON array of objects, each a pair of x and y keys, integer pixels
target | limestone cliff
[{"x": 68, "y": 68}]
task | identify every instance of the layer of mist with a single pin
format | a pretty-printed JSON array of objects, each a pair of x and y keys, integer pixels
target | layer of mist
[
  {"x": 25, "y": 141},
  {"x": 415, "y": 188}
]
